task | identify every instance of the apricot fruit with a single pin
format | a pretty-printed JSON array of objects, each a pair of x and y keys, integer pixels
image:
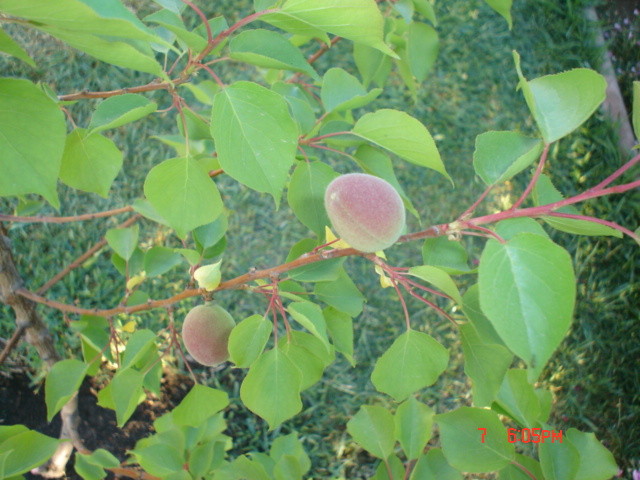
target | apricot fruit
[
  {"x": 205, "y": 333},
  {"x": 365, "y": 211}
]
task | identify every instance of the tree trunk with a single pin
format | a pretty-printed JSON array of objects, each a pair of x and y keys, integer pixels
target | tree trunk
[{"x": 37, "y": 334}]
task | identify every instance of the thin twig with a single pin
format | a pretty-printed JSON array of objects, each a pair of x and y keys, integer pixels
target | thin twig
[{"x": 74, "y": 218}]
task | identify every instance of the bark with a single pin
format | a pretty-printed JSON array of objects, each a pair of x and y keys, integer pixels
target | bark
[{"x": 37, "y": 334}]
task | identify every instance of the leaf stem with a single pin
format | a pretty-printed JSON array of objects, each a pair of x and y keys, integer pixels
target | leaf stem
[{"x": 532, "y": 183}]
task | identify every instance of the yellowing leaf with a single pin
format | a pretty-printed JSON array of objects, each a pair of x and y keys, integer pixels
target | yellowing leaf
[
  {"x": 331, "y": 237},
  {"x": 135, "y": 281},
  {"x": 208, "y": 276},
  {"x": 129, "y": 327}
]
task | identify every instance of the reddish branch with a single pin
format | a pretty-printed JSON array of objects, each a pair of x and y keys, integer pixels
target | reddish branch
[
  {"x": 74, "y": 218},
  {"x": 84, "y": 257}
]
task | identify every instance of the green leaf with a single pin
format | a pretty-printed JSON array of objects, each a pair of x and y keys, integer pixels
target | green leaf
[
  {"x": 517, "y": 399},
  {"x": 375, "y": 162},
  {"x": 561, "y": 103},
  {"x": 123, "y": 241},
  {"x": 434, "y": 466},
  {"x": 204, "y": 91},
  {"x": 269, "y": 49},
  {"x": 90, "y": 162},
  {"x": 200, "y": 459},
  {"x": 136, "y": 262},
  {"x": 309, "y": 315},
  {"x": 403, "y": 136},
  {"x": 271, "y": 389},
  {"x": 327, "y": 270},
  {"x": 509, "y": 228},
  {"x": 172, "y": 22},
  {"x": 512, "y": 472},
  {"x": 10, "y": 46},
  {"x": 309, "y": 354},
  {"x": 413, "y": 424},
  {"x": 256, "y": 138},
  {"x": 503, "y": 7},
  {"x": 636, "y": 108},
  {"x": 415, "y": 360},
  {"x": 426, "y": 10},
  {"x": 248, "y": 339},
  {"x": 210, "y": 234},
  {"x": 485, "y": 364},
  {"x": 242, "y": 468},
  {"x": 471, "y": 309},
  {"x": 183, "y": 194},
  {"x": 91, "y": 466},
  {"x": 28, "y": 166},
  {"x": 446, "y": 254},
  {"x": 116, "y": 111},
  {"x": 290, "y": 445},
  {"x": 423, "y": 45},
  {"x": 527, "y": 290},
  {"x": 342, "y": 294},
  {"x": 340, "y": 327},
  {"x": 545, "y": 193},
  {"x": 559, "y": 460},
  {"x": 107, "y": 30},
  {"x": 299, "y": 105},
  {"x": 200, "y": 403},
  {"x": 373, "y": 428},
  {"x": 160, "y": 459},
  {"x": 462, "y": 441},
  {"x": 373, "y": 65},
  {"x": 306, "y": 194},
  {"x": 357, "y": 20},
  {"x": 159, "y": 260},
  {"x": 197, "y": 128},
  {"x": 138, "y": 346},
  {"x": 28, "y": 450},
  {"x": 439, "y": 278},
  {"x": 63, "y": 381},
  {"x": 596, "y": 462},
  {"x": 501, "y": 155},
  {"x": 126, "y": 393},
  {"x": 395, "y": 466},
  {"x": 404, "y": 69},
  {"x": 342, "y": 91}
]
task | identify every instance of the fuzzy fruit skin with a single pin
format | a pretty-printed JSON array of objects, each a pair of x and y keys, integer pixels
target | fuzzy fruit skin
[
  {"x": 365, "y": 211},
  {"x": 205, "y": 333}
]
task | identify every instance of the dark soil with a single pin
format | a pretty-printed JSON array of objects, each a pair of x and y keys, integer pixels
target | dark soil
[{"x": 21, "y": 403}]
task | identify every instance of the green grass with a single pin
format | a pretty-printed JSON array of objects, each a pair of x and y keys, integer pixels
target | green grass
[{"x": 594, "y": 374}]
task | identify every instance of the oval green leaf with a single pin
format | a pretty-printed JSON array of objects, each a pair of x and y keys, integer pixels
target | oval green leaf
[
  {"x": 255, "y": 136},
  {"x": 28, "y": 166},
  {"x": 403, "y": 136},
  {"x": 373, "y": 428},
  {"x": 474, "y": 440},
  {"x": 248, "y": 339},
  {"x": 501, "y": 155},
  {"x": 120, "y": 110},
  {"x": 183, "y": 194},
  {"x": 561, "y": 103},
  {"x": 63, "y": 381},
  {"x": 415, "y": 360},
  {"x": 527, "y": 291},
  {"x": 271, "y": 389}
]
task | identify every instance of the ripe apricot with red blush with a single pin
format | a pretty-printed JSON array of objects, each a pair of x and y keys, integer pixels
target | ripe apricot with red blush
[
  {"x": 205, "y": 333},
  {"x": 365, "y": 211}
]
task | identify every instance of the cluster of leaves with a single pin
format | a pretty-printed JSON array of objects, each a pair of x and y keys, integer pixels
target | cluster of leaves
[{"x": 520, "y": 307}]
